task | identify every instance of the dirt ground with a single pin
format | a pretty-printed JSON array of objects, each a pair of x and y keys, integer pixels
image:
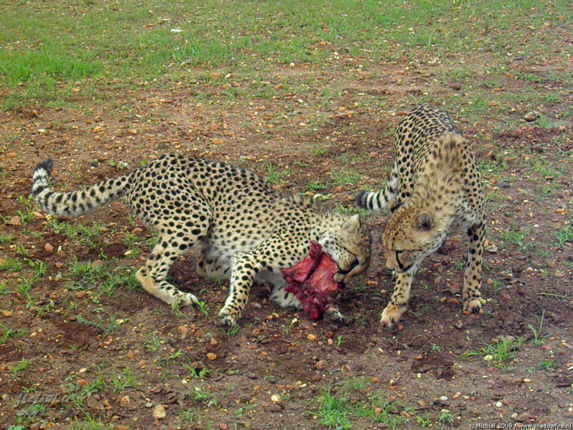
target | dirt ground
[{"x": 75, "y": 352}]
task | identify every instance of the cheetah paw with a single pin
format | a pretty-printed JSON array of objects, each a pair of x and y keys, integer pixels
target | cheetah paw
[
  {"x": 473, "y": 305},
  {"x": 227, "y": 320},
  {"x": 187, "y": 299},
  {"x": 391, "y": 315}
]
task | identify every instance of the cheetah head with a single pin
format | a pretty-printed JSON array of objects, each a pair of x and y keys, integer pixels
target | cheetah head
[
  {"x": 410, "y": 236},
  {"x": 349, "y": 247}
]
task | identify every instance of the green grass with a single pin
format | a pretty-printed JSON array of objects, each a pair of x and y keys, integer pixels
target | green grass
[
  {"x": 13, "y": 265},
  {"x": 129, "y": 41},
  {"x": 80, "y": 232},
  {"x": 336, "y": 411},
  {"x": 274, "y": 176},
  {"x": 7, "y": 333},
  {"x": 19, "y": 367},
  {"x": 513, "y": 237},
  {"x": 123, "y": 380},
  {"x": 498, "y": 353},
  {"x": 5, "y": 239},
  {"x": 564, "y": 235},
  {"x": 153, "y": 343},
  {"x": 316, "y": 186},
  {"x": 343, "y": 177}
]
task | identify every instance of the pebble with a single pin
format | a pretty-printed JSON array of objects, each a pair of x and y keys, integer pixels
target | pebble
[
  {"x": 159, "y": 412},
  {"x": 14, "y": 221},
  {"x": 531, "y": 116},
  {"x": 211, "y": 356},
  {"x": 276, "y": 398},
  {"x": 443, "y": 398}
]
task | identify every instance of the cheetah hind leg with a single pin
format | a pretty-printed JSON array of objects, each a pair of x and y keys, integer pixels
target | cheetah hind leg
[
  {"x": 212, "y": 269},
  {"x": 278, "y": 296},
  {"x": 283, "y": 298},
  {"x": 152, "y": 276}
]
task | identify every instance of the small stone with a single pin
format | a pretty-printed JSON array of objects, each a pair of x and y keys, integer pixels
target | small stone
[
  {"x": 276, "y": 398},
  {"x": 320, "y": 364},
  {"x": 159, "y": 412},
  {"x": 148, "y": 405},
  {"x": 492, "y": 249},
  {"x": 531, "y": 116},
  {"x": 211, "y": 356},
  {"x": 49, "y": 248},
  {"x": 443, "y": 398},
  {"x": 14, "y": 221},
  {"x": 183, "y": 330},
  {"x": 132, "y": 131}
]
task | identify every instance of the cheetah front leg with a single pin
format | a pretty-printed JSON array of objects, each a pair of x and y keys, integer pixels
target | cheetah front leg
[
  {"x": 245, "y": 268},
  {"x": 472, "y": 275},
  {"x": 399, "y": 300}
]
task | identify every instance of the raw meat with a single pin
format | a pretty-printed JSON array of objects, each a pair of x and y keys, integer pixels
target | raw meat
[{"x": 312, "y": 280}]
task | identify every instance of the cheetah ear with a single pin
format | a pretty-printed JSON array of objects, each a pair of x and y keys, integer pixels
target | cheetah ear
[
  {"x": 424, "y": 221},
  {"x": 352, "y": 224}
]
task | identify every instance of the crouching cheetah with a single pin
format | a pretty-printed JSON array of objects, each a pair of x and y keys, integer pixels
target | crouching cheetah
[
  {"x": 434, "y": 186},
  {"x": 246, "y": 230}
]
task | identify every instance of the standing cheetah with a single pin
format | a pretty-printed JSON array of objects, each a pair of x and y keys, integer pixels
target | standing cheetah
[
  {"x": 245, "y": 228},
  {"x": 434, "y": 186}
]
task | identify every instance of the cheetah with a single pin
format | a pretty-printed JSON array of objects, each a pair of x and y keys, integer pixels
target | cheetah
[
  {"x": 246, "y": 230},
  {"x": 434, "y": 187}
]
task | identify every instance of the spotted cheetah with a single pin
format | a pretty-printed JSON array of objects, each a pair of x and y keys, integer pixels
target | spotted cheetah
[
  {"x": 245, "y": 228},
  {"x": 434, "y": 186}
]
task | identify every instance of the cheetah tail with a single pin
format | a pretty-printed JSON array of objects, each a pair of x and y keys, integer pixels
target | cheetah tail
[
  {"x": 73, "y": 203},
  {"x": 373, "y": 201}
]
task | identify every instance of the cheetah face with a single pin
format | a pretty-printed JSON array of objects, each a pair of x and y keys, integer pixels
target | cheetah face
[
  {"x": 349, "y": 248},
  {"x": 409, "y": 237}
]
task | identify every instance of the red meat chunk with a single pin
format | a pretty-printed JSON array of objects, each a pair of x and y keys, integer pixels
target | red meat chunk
[{"x": 312, "y": 280}]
